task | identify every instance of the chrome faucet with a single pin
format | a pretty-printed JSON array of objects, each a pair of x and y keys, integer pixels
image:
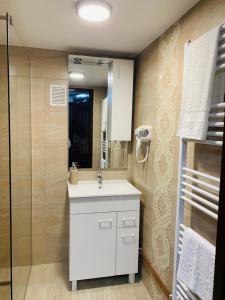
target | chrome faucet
[{"x": 99, "y": 178}]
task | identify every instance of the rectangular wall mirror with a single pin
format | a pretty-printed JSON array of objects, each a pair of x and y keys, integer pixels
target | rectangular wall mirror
[{"x": 100, "y": 110}]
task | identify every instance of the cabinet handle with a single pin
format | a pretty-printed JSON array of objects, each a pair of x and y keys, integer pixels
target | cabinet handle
[
  {"x": 133, "y": 220},
  {"x": 105, "y": 221},
  {"x": 108, "y": 223},
  {"x": 128, "y": 235},
  {"x": 129, "y": 219},
  {"x": 128, "y": 238}
]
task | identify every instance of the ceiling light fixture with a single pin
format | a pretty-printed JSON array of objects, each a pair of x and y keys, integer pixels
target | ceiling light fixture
[
  {"x": 77, "y": 75},
  {"x": 94, "y": 10}
]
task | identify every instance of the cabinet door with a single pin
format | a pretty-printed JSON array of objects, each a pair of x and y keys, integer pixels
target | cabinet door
[
  {"x": 127, "y": 250},
  {"x": 120, "y": 99},
  {"x": 92, "y": 245}
]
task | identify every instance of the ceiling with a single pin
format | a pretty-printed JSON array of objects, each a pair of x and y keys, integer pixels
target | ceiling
[{"x": 54, "y": 24}]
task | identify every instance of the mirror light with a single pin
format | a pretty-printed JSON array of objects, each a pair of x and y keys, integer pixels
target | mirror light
[
  {"x": 77, "y": 75},
  {"x": 94, "y": 10}
]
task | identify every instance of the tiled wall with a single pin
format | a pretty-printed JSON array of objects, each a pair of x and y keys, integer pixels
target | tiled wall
[
  {"x": 50, "y": 173},
  {"x": 157, "y": 103},
  {"x": 49, "y": 149}
]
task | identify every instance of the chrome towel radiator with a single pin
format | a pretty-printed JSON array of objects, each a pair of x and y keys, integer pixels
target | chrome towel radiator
[{"x": 198, "y": 189}]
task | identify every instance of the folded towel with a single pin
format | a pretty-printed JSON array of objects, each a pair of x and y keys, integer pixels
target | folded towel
[
  {"x": 196, "y": 264},
  {"x": 218, "y": 88},
  {"x": 200, "y": 57}
]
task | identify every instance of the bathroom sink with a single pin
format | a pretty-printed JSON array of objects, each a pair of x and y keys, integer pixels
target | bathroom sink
[{"x": 108, "y": 188}]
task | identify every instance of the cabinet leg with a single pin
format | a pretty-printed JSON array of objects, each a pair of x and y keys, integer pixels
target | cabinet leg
[
  {"x": 131, "y": 278},
  {"x": 74, "y": 285}
]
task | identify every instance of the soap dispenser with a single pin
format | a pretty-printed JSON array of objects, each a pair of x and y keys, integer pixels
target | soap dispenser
[{"x": 74, "y": 173}]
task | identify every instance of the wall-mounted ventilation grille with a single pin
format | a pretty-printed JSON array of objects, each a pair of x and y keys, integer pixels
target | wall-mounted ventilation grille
[{"x": 58, "y": 95}]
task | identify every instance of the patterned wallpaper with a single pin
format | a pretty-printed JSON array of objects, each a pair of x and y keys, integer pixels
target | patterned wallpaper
[{"x": 157, "y": 103}]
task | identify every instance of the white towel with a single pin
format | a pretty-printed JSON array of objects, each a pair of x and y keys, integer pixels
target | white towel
[
  {"x": 218, "y": 88},
  {"x": 196, "y": 264},
  {"x": 200, "y": 57}
]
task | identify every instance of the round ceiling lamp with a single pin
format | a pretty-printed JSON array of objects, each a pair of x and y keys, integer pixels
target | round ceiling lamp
[
  {"x": 77, "y": 75},
  {"x": 94, "y": 10}
]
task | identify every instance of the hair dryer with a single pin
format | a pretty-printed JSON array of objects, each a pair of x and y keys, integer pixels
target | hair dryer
[{"x": 143, "y": 135}]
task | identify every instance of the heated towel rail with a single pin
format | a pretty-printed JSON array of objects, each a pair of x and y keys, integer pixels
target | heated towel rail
[{"x": 198, "y": 189}]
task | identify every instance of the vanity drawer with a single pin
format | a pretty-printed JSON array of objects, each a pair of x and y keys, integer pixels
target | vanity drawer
[
  {"x": 127, "y": 250},
  {"x": 104, "y": 204},
  {"x": 127, "y": 219}
]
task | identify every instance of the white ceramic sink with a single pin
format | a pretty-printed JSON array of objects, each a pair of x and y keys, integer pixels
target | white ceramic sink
[{"x": 108, "y": 188}]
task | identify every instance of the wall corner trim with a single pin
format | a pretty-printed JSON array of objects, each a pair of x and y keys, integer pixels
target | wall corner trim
[{"x": 154, "y": 273}]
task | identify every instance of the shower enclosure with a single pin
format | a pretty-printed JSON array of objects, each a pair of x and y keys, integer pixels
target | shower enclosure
[{"x": 15, "y": 163}]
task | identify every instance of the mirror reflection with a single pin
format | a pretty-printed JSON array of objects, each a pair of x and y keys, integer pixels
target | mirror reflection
[{"x": 88, "y": 142}]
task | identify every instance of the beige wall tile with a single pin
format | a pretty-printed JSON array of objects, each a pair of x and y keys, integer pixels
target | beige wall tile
[
  {"x": 37, "y": 69},
  {"x": 38, "y": 127},
  {"x": 56, "y": 159},
  {"x": 22, "y": 250},
  {"x": 22, "y": 128},
  {"x": 5, "y": 222},
  {"x": 109, "y": 175},
  {"x": 39, "y": 249},
  {"x": 5, "y": 251},
  {"x": 38, "y": 191},
  {"x": 4, "y": 191},
  {"x": 38, "y": 160},
  {"x": 3, "y": 94},
  {"x": 57, "y": 219},
  {"x": 56, "y": 128},
  {"x": 38, "y": 220},
  {"x": 21, "y": 191},
  {"x": 21, "y": 161},
  {"x": 4, "y": 153},
  {"x": 19, "y": 62},
  {"x": 3, "y": 60},
  {"x": 56, "y": 67},
  {"x": 5, "y": 291},
  {"x": 37, "y": 94},
  {"x": 21, "y": 222},
  {"x": 23, "y": 94},
  {"x": 13, "y": 93},
  {"x": 57, "y": 246},
  {"x": 56, "y": 189}
]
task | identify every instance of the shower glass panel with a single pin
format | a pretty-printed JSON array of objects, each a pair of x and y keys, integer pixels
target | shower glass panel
[
  {"x": 15, "y": 164},
  {"x": 21, "y": 164},
  {"x": 5, "y": 234}
]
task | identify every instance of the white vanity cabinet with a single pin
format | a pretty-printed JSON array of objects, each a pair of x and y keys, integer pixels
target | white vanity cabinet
[{"x": 104, "y": 237}]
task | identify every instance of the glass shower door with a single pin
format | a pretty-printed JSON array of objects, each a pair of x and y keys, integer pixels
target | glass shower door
[
  {"x": 15, "y": 164},
  {"x": 21, "y": 163},
  {"x": 5, "y": 212}
]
